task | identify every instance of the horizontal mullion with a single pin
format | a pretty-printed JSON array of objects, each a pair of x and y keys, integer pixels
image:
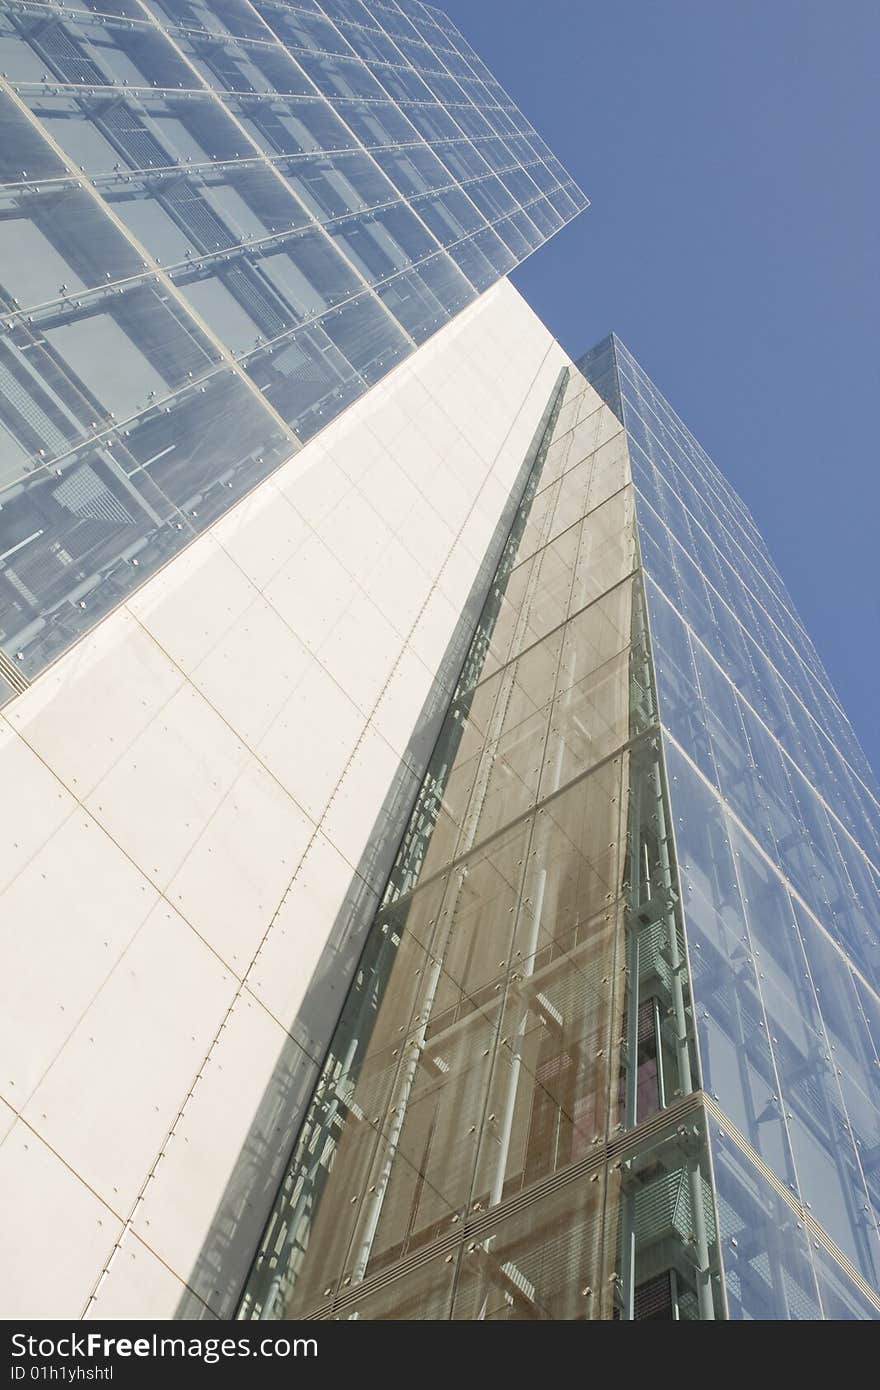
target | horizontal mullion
[{"x": 272, "y": 240}]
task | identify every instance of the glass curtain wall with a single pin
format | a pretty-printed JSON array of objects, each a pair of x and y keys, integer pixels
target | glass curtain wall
[
  {"x": 777, "y": 827},
  {"x": 220, "y": 223},
  {"x": 506, "y": 1125}
]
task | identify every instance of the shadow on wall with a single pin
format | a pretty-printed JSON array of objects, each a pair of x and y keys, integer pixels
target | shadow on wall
[{"x": 217, "y": 1280}]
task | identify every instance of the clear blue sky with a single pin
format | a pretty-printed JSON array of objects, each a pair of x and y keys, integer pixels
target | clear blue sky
[{"x": 730, "y": 153}]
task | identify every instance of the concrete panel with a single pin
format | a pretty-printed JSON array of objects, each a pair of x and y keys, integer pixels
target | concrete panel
[
  {"x": 434, "y": 627},
  {"x": 65, "y": 920},
  {"x": 39, "y": 805},
  {"x": 360, "y": 651},
  {"x": 203, "y": 1211},
  {"x": 237, "y": 872},
  {"x": 262, "y": 533},
  {"x": 352, "y": 815},
  {"x": 314, "y": 484},
  {"x": 284, "y": 970},
  {"x": 389, "y": 484},
  {"x": 253, "y": 670},
  {"x": 91, "y": 706},
  {"x": 312, "y": 591},
  {"x": 7, "y": 1119},
  {"x": 134, "y": 1279},
  {"x": 56, "y": 1235},
  {"x": 400, "y": 587},
  {"x": 427, "y": 536},
  {"x": 157, "y": 800},
  {"x": 397, "y": 714},
  {"x": 112, "y": 1094},
  {"x": 192, "y": 602},
  {"x": 310, "y": 743}
]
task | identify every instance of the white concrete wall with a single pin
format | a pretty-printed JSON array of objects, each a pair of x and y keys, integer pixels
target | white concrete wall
[{"x": 188, "y": 800}]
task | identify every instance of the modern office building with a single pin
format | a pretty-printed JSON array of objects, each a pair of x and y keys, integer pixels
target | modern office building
[
  {"x": 222, "y": 223},
  {"x": 437, "y": 878},
  {"x": 611, "y": 1050}
]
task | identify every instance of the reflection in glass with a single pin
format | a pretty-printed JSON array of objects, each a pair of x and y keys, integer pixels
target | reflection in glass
[
  {"x": 262, "y": 205},
  {"x": 484, "y": 1056},
  {"x": 776, "y": 827}
]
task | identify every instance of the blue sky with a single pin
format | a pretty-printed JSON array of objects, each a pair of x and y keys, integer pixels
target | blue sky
[{"x": 730, "y": 153}]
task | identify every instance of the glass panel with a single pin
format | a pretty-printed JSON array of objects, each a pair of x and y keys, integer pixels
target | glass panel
[
  {"x": 781, "y": 895},
  {"x": 292, "y": 125},
  {"x": 421, "y": 299},
  {"x": 768, "y": 1268},
  {"x": 56, "y": 242},
  {"x": 78, "y": 538},
  {"x": 306, "y": 379},
  {"x": 736, "y": 1059},
  {"x": 480, "y": 1046},
  {"x": 383, "y": 242}
]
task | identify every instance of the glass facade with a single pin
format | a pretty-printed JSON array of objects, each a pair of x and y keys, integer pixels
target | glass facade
[
  {"x": 612, "y": 1049},
  {"x": 506, "y": 1125},
  {"x": 777, "y": 832},
  {"x": 222, "y": 221}
]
